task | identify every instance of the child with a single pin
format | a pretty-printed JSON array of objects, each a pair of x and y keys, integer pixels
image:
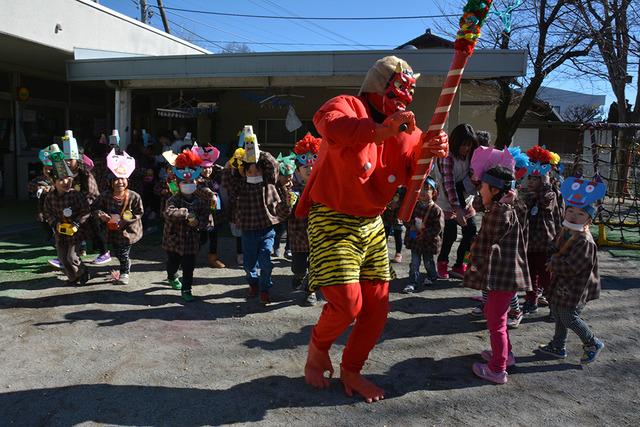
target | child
[
  {"x": 498, "y": 259},
  {"x": 392, "y": 225},
  {"x": 287, "y": 168},
  {"x": 236, "y": 162},
  {"x": 121, "y": 210},
  {"x": 210, "y": 178},
  {"x": 424, "y": 236},
  {"x": 85, "y": 183},
  {"x": 306, "y": 154},
  {"x": 65, "y": 210},
  {"x": 541, "y": 202},
  {"x": 167, "y": 187},
  {"x": 261, "y": 203},
  {"x": 186, "y": 215},
  {"x": 574, "y": 269}
]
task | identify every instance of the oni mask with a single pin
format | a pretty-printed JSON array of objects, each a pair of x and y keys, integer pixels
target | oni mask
[{"x": 398, "y": 93}]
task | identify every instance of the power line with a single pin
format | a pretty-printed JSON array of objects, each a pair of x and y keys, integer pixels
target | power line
[
  {"x": 198, "y": 35},
  {"x": 297, "y": 44},
  {"x": 312, "y": 18}
]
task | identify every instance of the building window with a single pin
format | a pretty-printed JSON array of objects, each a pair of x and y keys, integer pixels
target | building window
[{"x": 274, "y": 136}]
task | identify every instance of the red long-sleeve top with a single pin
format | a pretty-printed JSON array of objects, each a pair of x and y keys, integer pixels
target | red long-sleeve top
[{"x": 354, "y": 175}]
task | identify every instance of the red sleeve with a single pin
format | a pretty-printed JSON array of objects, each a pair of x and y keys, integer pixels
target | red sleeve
[{"x": 338, "y": 122}]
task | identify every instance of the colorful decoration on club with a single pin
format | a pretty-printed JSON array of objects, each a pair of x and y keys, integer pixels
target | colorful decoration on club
[
  {"x": 307, "y": 149},
  {"x": 475, "y": 13},
  {"x": 44, "y": 154},
  {"x": 522, "y": 162},
  {"x": 582, "y": 193},
  {"x": 121, "y": 165},
  {"x": 208, "y": 154},
  {"x": 70, "y": 146},
  {"x": 485, "y": 158},
  {"x": 287, "y": 164},
  {"x": 539, "y": 161},
  {"x": 187, "y": 166}
]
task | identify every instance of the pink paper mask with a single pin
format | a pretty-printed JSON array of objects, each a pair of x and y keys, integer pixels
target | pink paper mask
[
  {"x": 485, "y": 158},
  {"x": 122, "y": 165},
  {"x": 208, "y": 154}
]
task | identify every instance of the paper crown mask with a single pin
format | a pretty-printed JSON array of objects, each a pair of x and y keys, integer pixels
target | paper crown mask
[
  {"x": 582, "y": 193},
  {"x": 539, "y": 161},
  {"x": 208, "y": 154},
  {"x": 251, "y": 147},
  {"x": 307, "y": 150},
  {"x": 485, "y": 158},
  {"x": 287, "y": 164},
  {"x": 121, "y": 165},
  {"x": 45, "y": 153},
  {"x": 187, "y": 166},
  {"x": 59, "y": 169},
  {"x": 114, "y": 138},
  {"x": 522, "y": 162},
  {"x": 70, "y": 146}
]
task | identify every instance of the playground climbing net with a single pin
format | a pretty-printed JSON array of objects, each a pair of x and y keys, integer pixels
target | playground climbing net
[{"x": 617, "y": 162}]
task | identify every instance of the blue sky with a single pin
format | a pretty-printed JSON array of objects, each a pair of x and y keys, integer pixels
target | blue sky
[{"x": 262, "y": 35}]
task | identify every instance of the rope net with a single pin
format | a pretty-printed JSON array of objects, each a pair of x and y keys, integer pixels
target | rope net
[{"x": 612, "y": 151}]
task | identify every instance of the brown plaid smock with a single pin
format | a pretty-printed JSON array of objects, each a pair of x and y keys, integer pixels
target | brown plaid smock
[
  {"x": 161, "y": 189},
  {"x": 100, "y": 173},
  {"x": 297, "y": 227},
  {"x": 542, "y": 225},
  {"x": 40, "y": 182},
  {"x": 574, "y": 274},
  {"x": 178, "y": 236},
  {"x": 429, "y": 238},
  {"x": 130, "y": 231},
  {"x": 258, "y": 206},
  {"x": 85, "y": 183},
  {"x": 213, "y": 184},
  {"x": 498, "y": 254},
  {"x": 54, "y": 206},
  {"x": 390, "y": 214}
]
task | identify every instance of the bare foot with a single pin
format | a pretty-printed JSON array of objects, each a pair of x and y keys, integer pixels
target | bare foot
[
  {"x": 353, "y": 381},
  {"x": 318, "y": 362}
]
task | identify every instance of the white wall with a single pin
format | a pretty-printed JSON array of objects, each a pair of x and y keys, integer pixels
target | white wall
[
  {"x": 525, "y": 138},
  {"x": 86, "y": 24}
]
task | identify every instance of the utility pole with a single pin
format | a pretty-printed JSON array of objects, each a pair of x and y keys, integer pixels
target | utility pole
[
  {"x": 143, "y": 11},
  {"x": 165, "y": 22}
]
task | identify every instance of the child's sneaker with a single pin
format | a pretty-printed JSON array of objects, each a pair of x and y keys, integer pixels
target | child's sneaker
[
  {"x": 252, "y": 292},
  {"x": 488, "y": 354},
  {"x": 311, "y": 299},
  {"x": 124, "y": 279},
  {"x": 514, "y": 318},
  {"x": 55, "y": 263},
  {"x": 175, "y": 283},
  {"x": 409, "y": 289},
  {"x": 542, "y": 302},
  {"x": 427, "y": 282},
  {"x": 559, "y": 353},
  {"x": 84, "y": 277},
  {"x": 482, "y": 370},
  {"x": 529, "y": 308},
  {"x": 478, "y": 311},
  {"x": 458, "y": 271},
  {"x": 264, "y": 298},
  {"x": 102, "y": 259},
  {"x": 187, "y": 296},
  {"x": 591, "y": 351},
  {"x": 443, "y": 269},
  {"x": 397, "y": 259},
  {"x": 288, "y": 254}
]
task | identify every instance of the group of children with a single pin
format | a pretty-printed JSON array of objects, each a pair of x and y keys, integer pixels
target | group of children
[{"x": 528, "y": 240}]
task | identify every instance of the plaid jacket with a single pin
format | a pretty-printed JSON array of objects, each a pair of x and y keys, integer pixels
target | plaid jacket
[
  {"x": 130, "y": 231},
  {"x": 258, "y": 206},
  {"x": 85, "y": 183},
  {"x": 43, "y": 183},
  {"x": 178, "y": 235},
  {"x": 213, "y": 183},
  {"x": 297, "y": 226},
  {"x": 54, "y": 206},
  {"x": 390, "y": 214},
  {"x": 427, "y": 240},
  {"x": 498, "y": 254},
  {"x": 100, "y": 173},
  {"x": 542, "y": 225},
  {"x": 574, "y": 272}
]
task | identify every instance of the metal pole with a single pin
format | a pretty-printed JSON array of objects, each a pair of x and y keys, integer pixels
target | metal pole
[
  {"x": 165, "y": 22},
  {"x": 143, "y": 11}
]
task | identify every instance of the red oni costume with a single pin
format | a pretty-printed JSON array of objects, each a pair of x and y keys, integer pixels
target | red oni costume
[{"x": 364, "y": 156}]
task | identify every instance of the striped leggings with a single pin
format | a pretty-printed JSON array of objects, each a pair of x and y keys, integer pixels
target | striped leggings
[
  {"x": 569, "y": 318},
  {"x": 514, "y": 305}
]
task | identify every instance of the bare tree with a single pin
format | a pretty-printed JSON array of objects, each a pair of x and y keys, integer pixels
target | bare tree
[
  {"x": 236, "y": 47},
  {"x": 583, "y": 113}
]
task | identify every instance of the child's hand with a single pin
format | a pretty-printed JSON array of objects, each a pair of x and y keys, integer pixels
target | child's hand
[{"x": 104, "y": 217}]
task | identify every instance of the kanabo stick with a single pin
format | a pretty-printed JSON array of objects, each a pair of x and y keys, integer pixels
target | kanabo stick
[{"x": 475, "y": 12}]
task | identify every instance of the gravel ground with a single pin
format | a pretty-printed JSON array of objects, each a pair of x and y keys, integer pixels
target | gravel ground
[{"x": 135, "y": 355}]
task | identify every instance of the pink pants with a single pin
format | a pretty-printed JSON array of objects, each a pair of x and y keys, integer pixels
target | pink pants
[{"x": 496, "y": 310}]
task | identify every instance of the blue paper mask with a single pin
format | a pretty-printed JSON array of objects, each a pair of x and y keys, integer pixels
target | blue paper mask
[
  {"x": 538, "y": 169},
  {"x": 580, "y": 193},
  {"x": 187, "y": 174}
]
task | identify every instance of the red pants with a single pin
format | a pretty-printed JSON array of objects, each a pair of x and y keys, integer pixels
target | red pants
[
  {"x": 540, "y": 277},
  {"x": 367, "y": 303},
  {"x": 496, "y": 310}
]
